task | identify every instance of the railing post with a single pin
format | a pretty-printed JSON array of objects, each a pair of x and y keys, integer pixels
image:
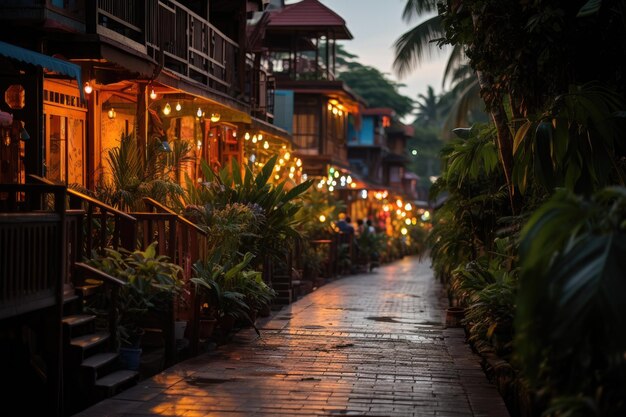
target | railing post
[{"x": 91, "y": 15}]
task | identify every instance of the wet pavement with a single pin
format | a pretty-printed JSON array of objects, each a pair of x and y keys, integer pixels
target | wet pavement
[{"x": 372, "y": 344}]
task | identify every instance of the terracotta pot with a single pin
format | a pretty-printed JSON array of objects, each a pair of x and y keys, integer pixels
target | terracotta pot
[
  {"x": 265, "y": 310},
  {"x": 226, "y": 324},
  {"x": 455, "y": 316},
  {"x": 206, "y": 328},
  {"x": 179, "y": 329}
]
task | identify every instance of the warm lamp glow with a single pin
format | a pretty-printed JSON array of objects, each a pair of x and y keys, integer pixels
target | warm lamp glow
[
  {"x": 246, "y": 136},
  {"x": 404, "y": 231},
  {"x": 322, "y": 218},
  {"x": 408, "y": 207},
  {"x": 215, "y": 117},
  {"x": 178, "y": 107},
  {"x": 167, "y": 109},
  {"x": 287, "y": 156},
  {"x": 199, "y": 112},
  {"x": 111, "y": 113},
  {"x": 266, "y": 145},
  {"x": 88, "y": 88},
  {"x": 153, "y": 95}
]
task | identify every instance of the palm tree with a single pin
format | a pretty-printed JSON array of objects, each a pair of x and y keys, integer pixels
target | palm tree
[
  {"x": 428, "y": 108},
  {"x": 418, "y": 44},
  {"x": 412, "y": 46}
]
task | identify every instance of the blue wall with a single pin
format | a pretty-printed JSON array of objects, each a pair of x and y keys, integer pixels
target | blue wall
[
  {"x": 283, "y": 110},
  {"x": 365, "y": 136}
]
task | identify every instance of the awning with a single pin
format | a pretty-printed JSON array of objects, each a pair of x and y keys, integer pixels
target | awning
[{"x": 44, "y": 61}]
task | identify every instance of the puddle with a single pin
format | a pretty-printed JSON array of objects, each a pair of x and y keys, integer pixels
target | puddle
[
  {"x": 207, "y": 380},
  {"x": 384, "y": 319}
]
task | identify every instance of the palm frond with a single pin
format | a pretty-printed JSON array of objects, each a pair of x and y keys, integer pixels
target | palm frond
[
  {"x": 416, "y": 44},
  {"x": 416, "y": 8}
]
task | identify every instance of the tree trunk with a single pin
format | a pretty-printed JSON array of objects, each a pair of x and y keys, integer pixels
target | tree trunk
[
  {"x": 499, "y": 117},
  {"x": 504, "y": 137}
]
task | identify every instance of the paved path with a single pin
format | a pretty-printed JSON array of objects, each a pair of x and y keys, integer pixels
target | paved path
[{"x": 365, "y": 345}]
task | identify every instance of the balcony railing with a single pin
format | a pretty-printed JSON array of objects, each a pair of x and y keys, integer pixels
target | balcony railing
[{"x": 171, "y": 33}]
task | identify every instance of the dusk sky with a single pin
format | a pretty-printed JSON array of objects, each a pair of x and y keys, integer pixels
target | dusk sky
[{"x": 375, "y": 26}]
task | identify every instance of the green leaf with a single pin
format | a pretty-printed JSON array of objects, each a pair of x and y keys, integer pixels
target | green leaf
[
  {"x": 236, "y": 171},
  {"x": 520, "y": 135},
  {"x": 266, "y": 172},
  {"x": 207, "y": 172},
  {"x": 589, "y": 8},
  {"x": 297, "y": 190}
]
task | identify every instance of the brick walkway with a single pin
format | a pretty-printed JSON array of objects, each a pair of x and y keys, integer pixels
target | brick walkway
[{"x": 364, "y": 345}]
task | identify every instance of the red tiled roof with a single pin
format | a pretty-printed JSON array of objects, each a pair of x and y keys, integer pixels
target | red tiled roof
[{"x": 310, "y": 15}]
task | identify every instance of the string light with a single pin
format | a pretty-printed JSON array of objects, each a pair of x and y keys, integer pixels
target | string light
[
  {"x": 167, "y": 109},
  {"x": 199, "y": 112},
  {"x": 111, "y": 113},
  {"x": 246, "y": 136},
  {"x": 178, "y": 106},
  {"x": 153, "y": 95},
  {"x": 266, "y": 145},
  {"x": 88, "y": 88},
  {"x": 215, "y": 117}
]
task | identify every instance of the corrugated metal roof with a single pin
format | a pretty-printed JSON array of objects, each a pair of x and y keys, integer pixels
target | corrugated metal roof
[
  {"x": 35, "y": 58},
  {"x": 311, "y": 15}
]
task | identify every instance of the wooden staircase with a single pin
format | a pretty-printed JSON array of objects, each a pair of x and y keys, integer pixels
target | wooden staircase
[{"x": 92, "y": 370}]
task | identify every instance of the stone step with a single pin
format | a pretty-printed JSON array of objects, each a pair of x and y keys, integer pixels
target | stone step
[
  {"x": 116, "y": 382},
  {"x": 99, "y": 364},
  {"x": 85, "y": 345},
  {"x": 78, "y": 320}
]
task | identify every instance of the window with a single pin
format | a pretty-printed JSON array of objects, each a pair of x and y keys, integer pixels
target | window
[
  {"x": 64, "y": 133},
  {"x": 305, "y": 135}
]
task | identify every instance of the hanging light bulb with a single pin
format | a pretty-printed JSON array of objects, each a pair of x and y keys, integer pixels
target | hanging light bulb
[
  {"x": 153, "y": 95},
  {"x": 199, "y": 112},
  {"x": 215, "y": 117},
  {"x": 266, "y": 145},
  {"x": 167, "y": 109},
  {"x": 254, "y": 139},
  {"x": 111, "y": 113},
  {"x": 287, "y": 156},
  {"x": 299, "y": 162},
  {"x": 178, "y": 106},
  {"x": 88, "y": 88},
  {"x": 246, "y": 136}
]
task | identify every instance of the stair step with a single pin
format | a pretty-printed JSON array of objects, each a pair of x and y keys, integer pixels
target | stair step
[
  {"x": 281, "y": 286},
  {"x": 99, "y": 360},
  {"x": 89, "y": 341},
  {"x": 116, "y": 381},
  {"x": 88, "y": 290},
  {"x": 98, "y": 365},
  {"x": 78, "y": 319}
]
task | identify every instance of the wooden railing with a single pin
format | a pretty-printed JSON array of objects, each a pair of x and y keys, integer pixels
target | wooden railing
[
  {"x": 103, "y": 226},
  {"x": 32, "y": 248},
  {"x": 174, "y": 35},
  {"x": 190, "y": 244}
]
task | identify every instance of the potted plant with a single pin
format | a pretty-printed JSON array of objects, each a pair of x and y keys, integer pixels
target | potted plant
[
  {"x": 152, "y": 285},
  {"x": 221, "y": 288}
]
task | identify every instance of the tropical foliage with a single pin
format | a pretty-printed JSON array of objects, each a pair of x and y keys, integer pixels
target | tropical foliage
[
  {"x": 573, "y": 280},
  {"x": 153, "y": 283},
  {"x": 552, "y": 162},
  {"x": 267, "y": 211}
]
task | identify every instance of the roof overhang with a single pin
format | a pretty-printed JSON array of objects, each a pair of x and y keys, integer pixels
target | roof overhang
[{"x": 44, "y": 61}]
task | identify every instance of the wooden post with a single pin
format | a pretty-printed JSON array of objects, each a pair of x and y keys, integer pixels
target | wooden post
[{"x": 142, "y": 120}]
